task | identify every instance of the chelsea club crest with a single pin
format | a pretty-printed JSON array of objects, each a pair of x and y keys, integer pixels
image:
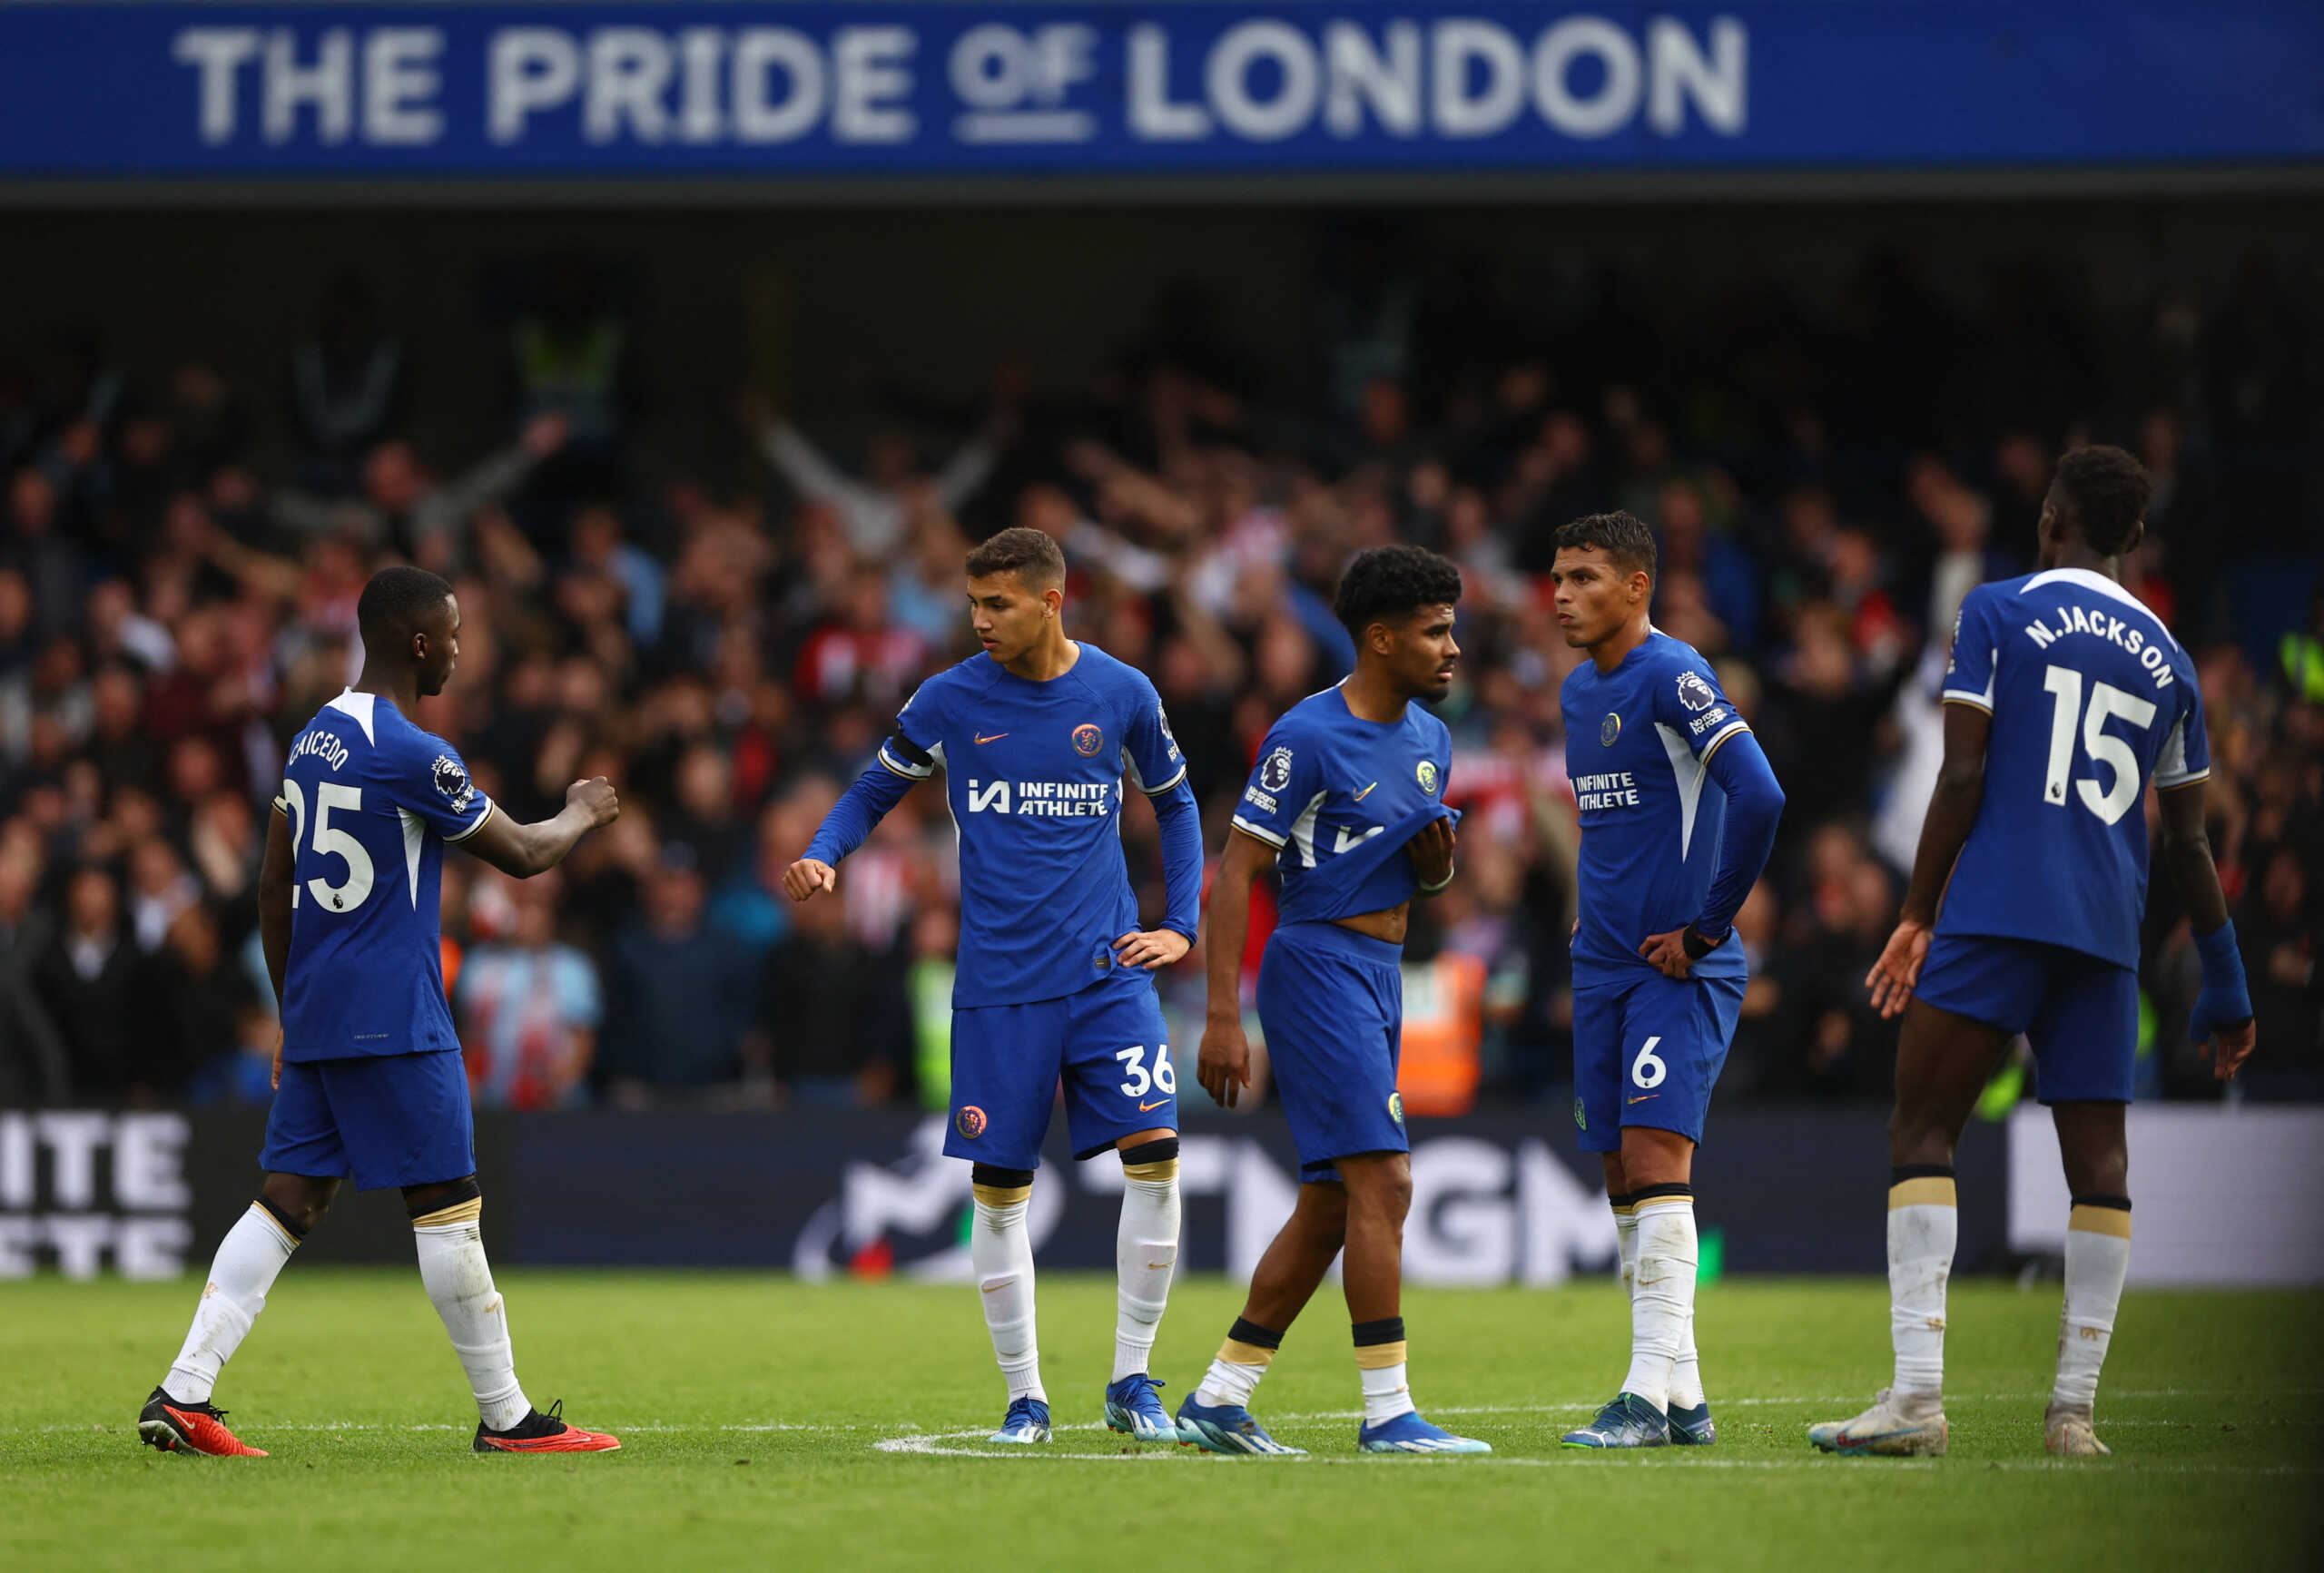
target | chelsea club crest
[
  {"x": 1609, "y": 728},
  {"x": 1087, "y": 740},
  {"x": 1427, "y": 773}
]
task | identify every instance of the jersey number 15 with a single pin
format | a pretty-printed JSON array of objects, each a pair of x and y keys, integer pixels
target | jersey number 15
[
  {"x": 2065, "y": 684},
  {"x": 330, "y": 843}
]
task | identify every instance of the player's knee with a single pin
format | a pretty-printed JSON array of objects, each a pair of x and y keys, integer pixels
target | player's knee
[
  {"x": 998, "y": 1187},
  {"x": 1915, "y": 1138},
  {"x": 297, "y": 1202},
  {"x": 451, "y": 1202},
  {"x": 1152, "y": 1161},
  {"x": 1380, "y": 1190}
]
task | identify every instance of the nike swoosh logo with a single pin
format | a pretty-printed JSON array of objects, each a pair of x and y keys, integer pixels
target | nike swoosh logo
[
  {"x": 1360, "y": 796},
  {"x": 996, "y": 737},
  {"x": 1149, "y": 1108},
  {"x": 1643, "y": 1097}
]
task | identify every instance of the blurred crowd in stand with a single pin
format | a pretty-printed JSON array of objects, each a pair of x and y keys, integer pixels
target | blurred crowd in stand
[{"x": 180, "y": 559}]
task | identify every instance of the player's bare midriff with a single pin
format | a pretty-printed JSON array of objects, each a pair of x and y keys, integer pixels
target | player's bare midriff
[{"x": 1389, "y": 923}]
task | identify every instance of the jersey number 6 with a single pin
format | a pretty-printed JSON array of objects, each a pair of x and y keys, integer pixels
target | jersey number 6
[
  {"x": 330, "y": 842},
  {"x": 1648, "y": 1071}
]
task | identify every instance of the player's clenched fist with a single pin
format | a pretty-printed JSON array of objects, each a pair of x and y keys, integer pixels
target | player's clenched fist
[
  {"x": 596, "y": 796},
  {"x": 1431, "y": 852},
  {"x": 807, "y": 876},
  {"x": 1223, "y": 1068}
]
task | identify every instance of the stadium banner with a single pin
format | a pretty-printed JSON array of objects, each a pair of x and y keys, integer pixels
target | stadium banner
[
  {"x": 790, "y": 91},
  {"x": 2221, "y": 1195}
]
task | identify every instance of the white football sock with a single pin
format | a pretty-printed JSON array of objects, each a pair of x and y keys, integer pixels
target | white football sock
[
  {"x": 1665, "y": 1298},
  {"x": 1924, "y": 1224},
  {"x": 1381, "y": 1367},
  {"x": 1242, "y": 1359},
  {"x": 2098, "y": 1254},
  {"x": 452, "y": 1266},
  {"x": 1145, "y": 1250},
  {"x": 1000, "y": 1249},
  {"x": 249, "y": 1258},
  {"x": 1686, "y": 1372}
]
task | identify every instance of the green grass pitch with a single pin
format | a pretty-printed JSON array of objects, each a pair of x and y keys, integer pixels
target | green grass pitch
[{"x": 775, "y": 1424}]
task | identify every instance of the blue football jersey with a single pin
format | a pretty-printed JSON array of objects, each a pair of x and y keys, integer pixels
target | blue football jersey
[
  {"x": 1033, "y": 774},
  {"x": 371, "y": 800},
  {"x": 1338, "y": 796},
  {"x": 2091, "y": 698},
  {"x": 1639, "y": 741}
]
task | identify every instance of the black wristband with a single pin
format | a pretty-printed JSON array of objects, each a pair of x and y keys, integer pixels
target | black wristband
[{"x": 1698, "y": 945}]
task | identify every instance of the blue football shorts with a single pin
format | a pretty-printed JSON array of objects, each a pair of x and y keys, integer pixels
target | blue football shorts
[
  {"x": 1332, "y": 1006},
  {"x": 1647, "y": 1051},
  {"x": 1107, "y": 1045},
  {"x": 2080, "y": 1013},
  {"x": 387, "y": 1119}
]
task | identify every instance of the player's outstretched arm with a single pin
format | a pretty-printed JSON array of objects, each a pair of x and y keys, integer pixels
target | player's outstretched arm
[
  {"x": 2222, "y": 1019},
  {"x": 525, "y": 850},
  {"x": 851, "y": 819},
  {"x": 1952, "y": 810},
  {"x": 274, "y": 879},
  {"x": 1223, "y": 1068}
]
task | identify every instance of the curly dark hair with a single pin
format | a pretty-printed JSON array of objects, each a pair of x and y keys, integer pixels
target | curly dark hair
[
  {"x": 394, "y": 602},
  {"x": 1622, "y": 537},
  {"x": 1031, "y": 555},
  {"x": 1393, "y": 581},
  {"x": 2106, "y": 492}
]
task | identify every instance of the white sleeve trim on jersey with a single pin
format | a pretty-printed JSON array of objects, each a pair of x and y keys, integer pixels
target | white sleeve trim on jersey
[
  {"x": 1156, "y": 791},
  {"x": 1984, "y": 701},
  {"x": 1269, "y": 837},
  {"x": 2170, "y": 761},
  {"x": 903, "y": 769},
  {"x": 2171, "y": 783},
  {"x": 464, "y": 835},
  {"x": 1719, "y": 737}
]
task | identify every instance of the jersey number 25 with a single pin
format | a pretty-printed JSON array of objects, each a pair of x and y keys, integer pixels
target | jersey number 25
[{"x": 330, "y": 843}]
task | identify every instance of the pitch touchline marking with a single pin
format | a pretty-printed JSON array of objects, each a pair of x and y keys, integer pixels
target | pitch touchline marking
[
  {"x": 933, "y": 1446},
  {"x": 1564, "y": 1407}
]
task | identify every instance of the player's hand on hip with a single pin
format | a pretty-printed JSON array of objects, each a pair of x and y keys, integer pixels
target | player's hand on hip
[
  {"x": 2228, "y": 1048},
  {"x": 1667, "y": 953},
  {"x": 809, "y": 877},
  {"x": 275, "y": 1083},
  {"x": 1432, "y": 852},
  {"x": 1891, "y": 976},
  {"x": 597, "y": 796},
  {"x": 1224, "y": 1066},
  {"x": 1151, "y": 947}
]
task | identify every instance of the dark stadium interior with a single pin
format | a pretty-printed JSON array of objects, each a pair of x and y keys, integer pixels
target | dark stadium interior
[{"x": 704, "y": 480}]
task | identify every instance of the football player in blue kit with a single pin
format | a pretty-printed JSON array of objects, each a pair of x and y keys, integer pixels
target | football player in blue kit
[
  {"x": 2066, "y": 698},
  {"x": 369, "y": 1076},
  {"x": 1035, "y": 737},
  {"x": 1657, "y": 976},
  {"x": 1347, "y": 801}
]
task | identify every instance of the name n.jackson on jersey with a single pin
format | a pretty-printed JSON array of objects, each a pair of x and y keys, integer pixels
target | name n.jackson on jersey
[{"x": 2092, "y": 700}]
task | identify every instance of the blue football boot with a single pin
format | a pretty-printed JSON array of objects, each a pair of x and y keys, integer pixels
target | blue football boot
[
  {"x": 1135, "y": 1409},
  {"x": 1027, "y": 1423},
  {"x": 1692, "y": 1428},
  {"x": 1227, "y": 1428},
  {"x": 1408, "y": 1433},
  {"x": 1629, "y": 1421}
]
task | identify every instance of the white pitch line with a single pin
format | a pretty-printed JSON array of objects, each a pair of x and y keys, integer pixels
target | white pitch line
[{"x": 933, "y": 1446}]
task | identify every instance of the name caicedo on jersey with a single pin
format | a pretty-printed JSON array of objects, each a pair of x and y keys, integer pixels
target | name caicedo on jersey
[
  {"x": 1044, "y": 799},
  {"x": 323, "y": 745}
]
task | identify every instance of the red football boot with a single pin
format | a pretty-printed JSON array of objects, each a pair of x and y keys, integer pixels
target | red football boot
[
  {"x": 190, "y": 1428},
  {"x": 543, "y": 1434}
]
